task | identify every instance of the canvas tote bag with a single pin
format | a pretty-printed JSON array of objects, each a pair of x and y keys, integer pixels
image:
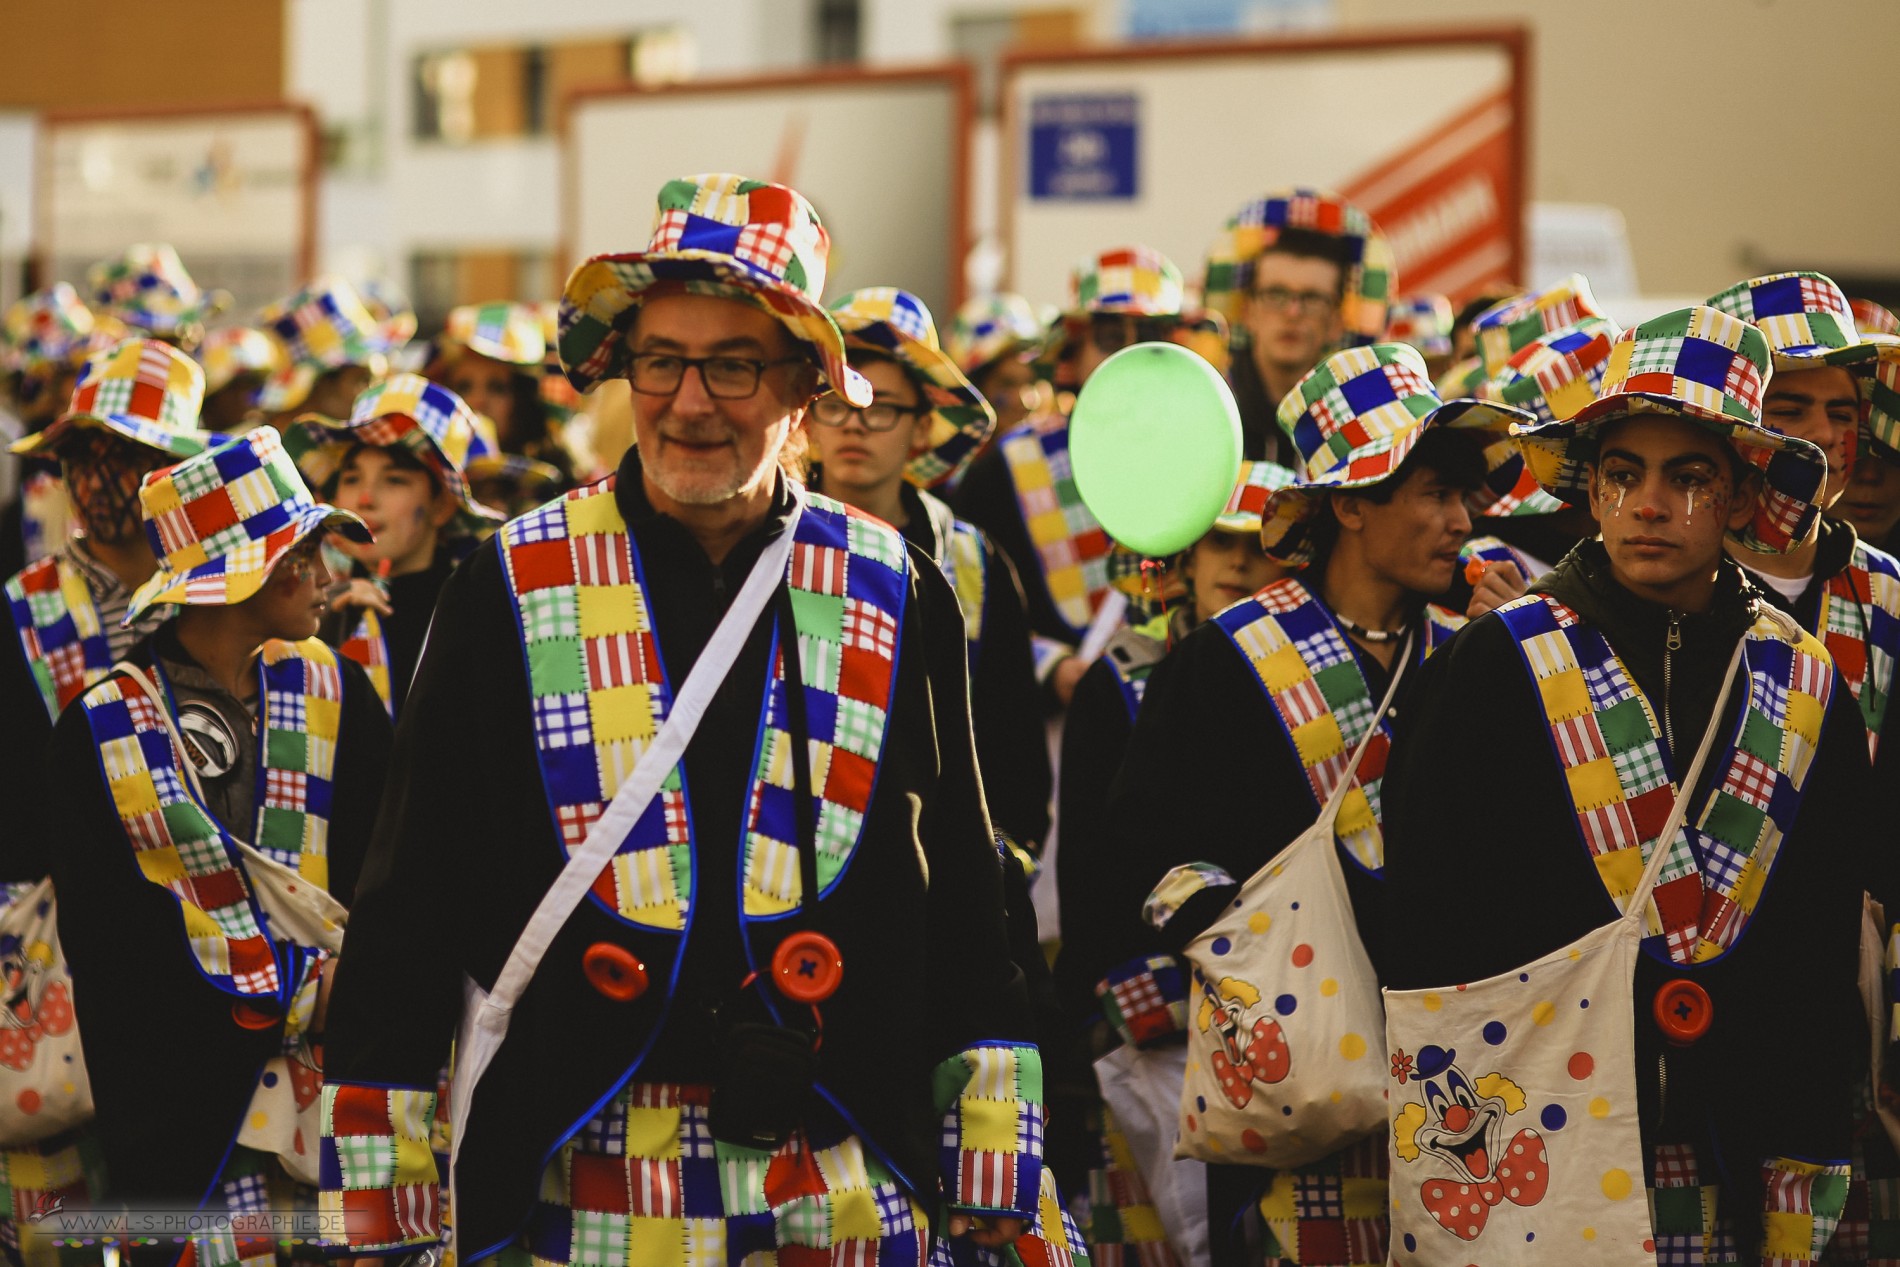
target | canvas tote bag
[
  {"x": 1513, "y": 1099},
  {"x": 43, "y": 1086},
  {"x": 1283, "y": 1038}
]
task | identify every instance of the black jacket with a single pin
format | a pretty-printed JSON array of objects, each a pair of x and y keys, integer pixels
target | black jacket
[
  {"x": 1478, "y": 821},
  {"x": 465, "y": 848},
  {"x": 172, "y": 1073},
  {"x": 412, "y": 603}
]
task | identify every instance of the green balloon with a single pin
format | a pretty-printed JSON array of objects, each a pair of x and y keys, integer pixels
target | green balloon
[{"x": 1154, "y": 442}]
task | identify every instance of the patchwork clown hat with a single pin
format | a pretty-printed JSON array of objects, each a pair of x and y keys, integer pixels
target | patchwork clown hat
[
  {"x": 48, "y": 327},
  {"x": 405, "y": 411},
  {"x": 716, "y": 234},
  {"x": 1353, "y": 419},
  {"x": 502, "y": 331},
  {"x": 1505, "y": 329},
  {"x": 896, "y": 322},
  {"x": 238, "y": 350},
  {"x": 149, "y": 290},
  {"x": 1242, "y": 516},
  {"x": 991, "y": 328},
  {"x": 144, "y": 390},
  {"x": 1556, "y": 375},
  {"x": 1808, "y": 321},
  {"x": 1463, "y": 379},
  {"x": 1711, "y": 368},
  {"x": 1873, "y": 318},
  {"x": 220, "y": 521},
  {"x": 1880, "y": 408},
  {"x": 324, "y": 326},
  {"x": 1136, "y": 280},
  {"x": 1370, "y": 278},
  {"x": 1424, "y": 321}
]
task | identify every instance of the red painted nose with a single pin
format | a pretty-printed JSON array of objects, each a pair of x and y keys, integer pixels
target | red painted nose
[{"x": 1457, "y": 1117}]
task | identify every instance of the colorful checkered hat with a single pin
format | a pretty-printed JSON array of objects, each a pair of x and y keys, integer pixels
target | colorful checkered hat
[
  {"x": 324, "y": 326},
  {"x": 1711, "y": 368},
  {"x": 235, "y": 350},
  {"x": 1556, "y": 374},
  {"x": 1505, "y": 329},
  {"x": 1353, "y": 419},
  {"x": 501, "y": 331},
  {"x": 149, "y": 290},
  {"x": 393, "y": 312},
  {"x": 896, "y": 322},
  {"x": 404, "y": 411},
  {"x": 1873, "y": 318},
  {"x": 1245, "y": 509},
  {"x": 716, "y": 234},
  {"x": 1137, "y": 280},
  {"x": 1880, "y": 407},
  {"x": 1808, "y": 321},
  {"x": 48, "y": 327},
  {"x": 144, "y": 390},
  {"x": 991, "y": 328},
  {"x": 220, "y": 521},
  {"x": 1463, "y": 379},
  {"x": 1370, "y": 280},
  {"x": 1424, "y": 321}
]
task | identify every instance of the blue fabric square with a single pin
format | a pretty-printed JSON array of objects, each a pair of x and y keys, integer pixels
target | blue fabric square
[
  {"x": 267, "y": 521},
  {"x": 650, "y": 830},
  {"x": 699, "y": 1188},
  {"x": 234, "y": 461},
  {"x": 1778, "y": 298},
  {"x": 821, "y": 714},
  {"x": 748, "y": 1234},
  {"x": 329, "y": 1166},
  {"x": 1368, "y": 391},
  {"x": 110, "y": 721},
  {"x": 1704, "y": 362},
  {"x": 318, "y": 794},
  {"x": 551, "y": 1232},
  {"x": 156, "y": 747},
  {"x": 701, "y": 234},
  {"x": 776, "y": 817},
  {"x": 572, "y": 775}
]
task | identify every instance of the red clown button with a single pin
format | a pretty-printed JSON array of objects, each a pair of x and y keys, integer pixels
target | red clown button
[
  {"x": 807, "y": 967},
  {"x": 615, "y": 971},
  {"x": 1683, "y": 1011},
  {"x": 253, "y": 1018}
]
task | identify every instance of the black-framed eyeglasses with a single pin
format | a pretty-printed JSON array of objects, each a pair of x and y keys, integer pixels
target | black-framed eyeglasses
[
  {"x": 725, "y": 377},
  {"x": 1308, "y": 303},
  {"x": 833, "y": 410}
]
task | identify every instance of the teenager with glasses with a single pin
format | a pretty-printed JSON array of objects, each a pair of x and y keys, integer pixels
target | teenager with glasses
[{"x": 1290, "y": 320}]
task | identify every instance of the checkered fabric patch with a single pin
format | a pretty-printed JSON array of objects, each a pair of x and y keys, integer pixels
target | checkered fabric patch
[
  {"x": 1873, "y": 318},
  {"x": 991, "y": 327},
  {"x": 1860, "y": 627},
  {"x": 149, "y": 289},
  {"x": 1557, "y": 373},
  {"x": 1504, "y": 330},
  {"x": 48, "y": 327},
  {"x": 1424, "y": 321},
  {"x": 1258, "y": 482},
  {"x": 146, "y": 384},
  {"x": 375, "y": 1169},
  {"x": 181, "y": 846},
  {"x": 1803, "y": 1204},
  {"x": 60, "y": 631},
  {"x": 1145, "y": 1000},
  {"x": 991, "y": 1098},
  {"x": 367, "y": 646},
  {"x": 897, "y": 323},
  {"x": 502, "y": 331},
  {"x": 1123, "y": 1226},
  {"x": 326, "y": 326},
  {"x": 1312, "y": 679},
  {"x": 1332, "y": 1211},
  {"x": 1137, "y": 280},
  {"x": 1371, "y": 280},
  {"x": 601, "y": 694},
  {"x": 1621, "y": 783},
  {"x": 962, "y": 563},
  {"x": 1071, "y": 546}
]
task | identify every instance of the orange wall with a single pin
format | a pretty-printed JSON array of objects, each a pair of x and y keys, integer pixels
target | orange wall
[{"x": 116, "y": 53}]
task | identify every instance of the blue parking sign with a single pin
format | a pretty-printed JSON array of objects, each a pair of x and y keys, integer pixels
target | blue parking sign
[{"x": 1083, "y": 148}]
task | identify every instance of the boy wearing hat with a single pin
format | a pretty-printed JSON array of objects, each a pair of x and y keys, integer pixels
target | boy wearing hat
[
  {"x": 667, "y": 1045},
  {"x": 228, "y": 757},
  {"x": 136, "y": 410},
  {"x": 1297, "y": 273},
  {"x": 1516, "y": 846},
  {"x": 923, "y": 425},
  {"x": 1214, "y": 783},
  {"x": 994, "y": 341},
  {"x": 334, "y": 348},
  {"x": 398, "y": 464},
  {"x": 1022, "y": 494}
]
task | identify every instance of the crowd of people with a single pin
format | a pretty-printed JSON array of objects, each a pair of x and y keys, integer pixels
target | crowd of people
[{"x": 806, "y": 837}]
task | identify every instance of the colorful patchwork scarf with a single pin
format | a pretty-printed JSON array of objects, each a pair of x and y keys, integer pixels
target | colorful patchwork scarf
[
  {"x": 1859, "y": 623},
  {"x": 181, "y": 846},
  {"x": 1312, "y": 679},
  {"x": 1070, "y": 545},
  {"x": 60, "y": 631},
  {"x": 367, "y": 646},
  {"x": 1616, "y": 766},
  {"x": 600, "y": 694}
]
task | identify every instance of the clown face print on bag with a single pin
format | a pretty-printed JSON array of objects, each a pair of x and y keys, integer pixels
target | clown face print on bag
[
  {"x": 1466, "y": 1131},
  {"x": 1250, "y": 1045}
]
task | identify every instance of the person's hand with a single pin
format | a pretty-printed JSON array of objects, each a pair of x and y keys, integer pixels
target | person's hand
[
  {"x": 362, "y": 592},
  {"x": 1066, "y": 675},
  {"x": 991, "y": 1232},
  {"x": 1500, "y": 583}
]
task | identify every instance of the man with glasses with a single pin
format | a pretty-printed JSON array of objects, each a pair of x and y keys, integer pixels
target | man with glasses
[
  {"x": 1298, "y": 274},
  {"x": 818, "y": 863}
]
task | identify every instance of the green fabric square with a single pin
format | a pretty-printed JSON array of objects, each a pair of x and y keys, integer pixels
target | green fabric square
[
  {"x": 282, "y": 830},
  {"x": 287, "y": 750},
  {"x": 1678, "y": 1211},
  {"x": 1625, "y": 726},
  {"x": 185, "y": 822},
  {"x": 1734, "y": 822},
  {"x": 1761, "y": 738},
  {"x": 1340, "y": 684},
  {"x": 557, "y": 666},
  {"x": 1029, "y": 1074},
  {"x": 818, "y": 615}
]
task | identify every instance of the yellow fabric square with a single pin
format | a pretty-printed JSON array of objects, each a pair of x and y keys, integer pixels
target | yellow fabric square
[
  {"x": 324, "y": 716},
  {"x": 653, "y": 1133},
  {"x": 1140, "y": 1223},
  {"x": 1318, "y": 740},
  {"x": 161, "y": 866},
  {"x": 1804, "y": 715},
  {"x": 1282, "y": 668},
  {"x": 854, "y": 1216},
  {"x": 1620, "y": 870},
  {"x": 414, "y": 1162},
  {"x": 1278, "y": 1205},
  {"x": 1594, "y": 783},
  {"x": 1031, "y": 471},
  {"x": 1363, "y": 1198},
  {"x": 1565, "y": 695},
  {"x": 1788, "y": 1235},
  {"x": 608, "y": 609},
  {"x": 1754, "y": 878},
  {"x": 186, "y": 557},
  {"x": 134, "y": 795},
  {"x": 592, "y": 515},
  {"x": 198, "y": 924},
  {"x": 26, "y": 1170},
  {"x": 621, "y": 712},
  {"x": 988, "y": 1125},
  {"x": 1355, "y": 815},
  {"x": 655, "y": 1242},
  {"x": 1050, "y": 525},
  {"x": 161, "y": 497}
]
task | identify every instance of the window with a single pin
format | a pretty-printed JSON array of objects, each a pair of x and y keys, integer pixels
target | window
[{"x": 509, "y": 91}]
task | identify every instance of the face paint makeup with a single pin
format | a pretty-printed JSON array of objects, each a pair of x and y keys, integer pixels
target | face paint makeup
[{"x": 103, "y": 474}]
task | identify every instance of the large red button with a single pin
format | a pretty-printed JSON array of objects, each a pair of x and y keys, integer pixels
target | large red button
[
  {"x": 807, "y": 967},
  {"x": 252, "y": 1017},
  {"x": 1683, "y": 1011},
  {"x": 614, "y": 971}
]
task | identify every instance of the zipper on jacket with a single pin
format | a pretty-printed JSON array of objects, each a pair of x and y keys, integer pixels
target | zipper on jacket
[
  {"x": 1670, "y": 647},
  {"x": 1662, "y": 1088}
]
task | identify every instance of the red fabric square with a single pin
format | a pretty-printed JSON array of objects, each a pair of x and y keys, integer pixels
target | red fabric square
[
  {"x": 147, "y": 399},
  {"x": 1323, "y": 1240},
  {"x": 1679, "y": 902},
  {"x": 769, "y": 204},
  {"x": 211, "y": 513},
  {"x": 369, "y": 1218},
  {"x": 864, "y": 675},
  {"x": 1650, "y": 811},
  {"x": 220, "y": 888},
  {"x": 599, "y": 1184},
  {"x": 251, "y": 955},
  {"x": 40, "y": 580},
  {"x": 803, "y": 1256},
  {"x": 1850, "y": 656},
  {"x": 361, "y": 1111},
  {"x": 542, "y": 565},
  {"x": 848, "y": 781}
]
